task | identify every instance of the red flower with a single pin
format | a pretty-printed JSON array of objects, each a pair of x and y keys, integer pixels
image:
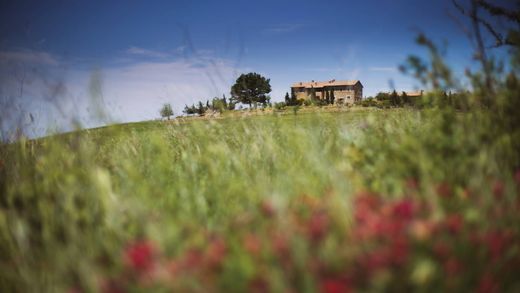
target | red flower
[
  {"x": 498, "y": 189},
  {"x": 192, "y": 259},
  {"x": 444, "y": 190},
  {"x": 517, "y": 177},
  {"x": 215, "y": 253},
  {"x": 454, "y": 223},
  {"x": 399, "y": 251},
  {"x": 452, "y": 266},
  {"x": 367, "y": 200},
  {"x": 258, "y": 284},
  {"x": 442, "y": 249},
  {"x": 334, "y": 285},
  {"x": 317, "y": 225},
  {"x": 252, "y": 244},
  {"x": 267, "y": 208},
  {"x": 412, "y": 183},
  {"x": 487, "y": 285},
  {"x": 280, "y": 245},
  {"x": 139, "y": 256},
  {"x": 496, "y": 242},
  {"x": 404, "y": 209}
]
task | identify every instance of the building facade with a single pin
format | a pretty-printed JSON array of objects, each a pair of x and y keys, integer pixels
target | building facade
[{"x": 341, "y": 92}]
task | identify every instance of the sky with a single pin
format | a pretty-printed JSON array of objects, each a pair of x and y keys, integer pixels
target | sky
[{"x": 71, "y": 62}]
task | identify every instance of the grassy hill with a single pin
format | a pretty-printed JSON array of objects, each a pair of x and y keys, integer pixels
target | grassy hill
[{"x": 392, "y": 199}]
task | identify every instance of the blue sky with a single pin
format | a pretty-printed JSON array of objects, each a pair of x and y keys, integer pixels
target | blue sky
[{"x": 146, "y": 53}]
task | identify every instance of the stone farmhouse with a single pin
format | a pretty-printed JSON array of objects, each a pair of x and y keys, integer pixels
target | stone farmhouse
[{"x": 343, "y": 91}]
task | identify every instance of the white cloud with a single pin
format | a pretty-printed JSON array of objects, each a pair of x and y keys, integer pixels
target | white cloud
[
  {"x": 383, "y": 69},
  {"x": 27, "y": 56},
  {"x": 146, "y": 52},
  {"x": 59, "y": 94},
  {"x": 283, "y": 28},
  {"x": 138, "y": 90}
]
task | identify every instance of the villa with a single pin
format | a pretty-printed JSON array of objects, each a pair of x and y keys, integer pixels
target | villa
[{"x": 341, "y": 92}]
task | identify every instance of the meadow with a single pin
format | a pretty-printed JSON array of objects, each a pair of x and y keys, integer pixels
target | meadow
[{"x": 363, "y": 199}]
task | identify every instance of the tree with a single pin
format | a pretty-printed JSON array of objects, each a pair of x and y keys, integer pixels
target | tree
[
  {"x": 291, "y": 100},
  {"x": 395, "y": 100},
  {"x": 251, "y": 88},
  {"x": 406, "y": 100},
  {"x": 166, "y": 111},
  {"x": 382, "y": 96},
  {"x": 201, "y": 109}
]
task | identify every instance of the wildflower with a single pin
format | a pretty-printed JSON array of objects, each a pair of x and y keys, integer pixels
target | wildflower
[
  {"x": 399, "y": 250},
  {"x": 267, "y": 208},
  {"x": 496, "y": 242},
  {"x": 453, "y": 223},
  {"x": 517, "y": 177},
  {"x": 140, "y": 256},
  {"x": 441, "y": 249},
  {"x": 252, "y": 244},
  {"x": 498, "y": 189},
  {"x": 215, "y": 253},
  {"x": 412, "y": 183},
  {"x": 110, "y": 286},
  {"x": 452, "y": 266},
  {"x": 192, "y": 259},
  {"x": 280, "y": 245},
  {"x": 421, "y": 230},
  {"x": 404, "y": 209},
  {"x": 487, "y": 284},
  {"x": 334, "y": 285},
  {"x": 258, "y": 284},
  {"x": 444, "y": 190},
  {"x": 318, "y": 225}
]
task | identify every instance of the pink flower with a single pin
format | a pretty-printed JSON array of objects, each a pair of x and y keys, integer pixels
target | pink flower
[{"x": 140, "y": 256}]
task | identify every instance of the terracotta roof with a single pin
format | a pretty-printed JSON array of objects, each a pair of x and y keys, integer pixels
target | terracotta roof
[
  {"x": 320, "y": 84},
  {"x": 414, "y": 93}
]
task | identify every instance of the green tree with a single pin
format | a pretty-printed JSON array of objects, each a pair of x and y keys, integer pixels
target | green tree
[
  {"x": 405, "y": 99},
  {"x": 287, "y": 98},
  {"x": 395, "y": 100},
  {"x": 166, "y": 111},
  {"x": 382, "y": 96},
  {"x": 251, "y": 88},
  {"x": 201, "y": 109}
]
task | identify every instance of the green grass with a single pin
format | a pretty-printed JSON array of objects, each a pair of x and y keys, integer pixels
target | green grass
[{"x": 72, "y": 202}]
